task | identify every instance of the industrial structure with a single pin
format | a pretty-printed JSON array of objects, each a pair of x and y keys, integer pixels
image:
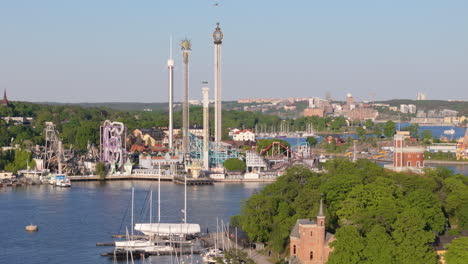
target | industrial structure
[
  {"x": 186, "y": 48},
  {"x": 218, "y": 37}
]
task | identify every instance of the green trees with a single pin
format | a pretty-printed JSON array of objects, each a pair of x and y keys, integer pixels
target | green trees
[
  {"x": 234, "y": 165},
  {"x": 361, "y": 132},
  {"x": 101, "y": 170},
  {"x": 378, "y": 216},
  {"x": 312, "y": 141},
  {"x": 389, "y": 129},
  {"x": 337, "y": 123},
  {"x": 413, "y": 129},
  {"x": 412, "y": 240},
  {"x": 457, "y": 251},
  {"x": 22, "y": 159},
  {"x": 348, "y": 246}
]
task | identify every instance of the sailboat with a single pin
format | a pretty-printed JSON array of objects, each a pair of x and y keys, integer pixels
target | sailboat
[{"x": 165, "y": 229}]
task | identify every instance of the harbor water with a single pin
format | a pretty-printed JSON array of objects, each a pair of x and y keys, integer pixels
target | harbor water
[{"x": 72, "y": 220}]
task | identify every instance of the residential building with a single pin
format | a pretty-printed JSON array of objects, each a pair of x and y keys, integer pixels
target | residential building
[
  {"x": 411, "y": 109},
  {"x": 313, "y": 112},
  {"x": 244, "y": 135},
  {"x": 363, "y": 114},
  {"x": 404, "y": 108}
]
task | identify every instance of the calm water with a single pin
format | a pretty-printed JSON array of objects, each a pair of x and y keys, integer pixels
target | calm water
[
  {"x": 437, "y": 131},
  {"x": 71, "y": 221}
]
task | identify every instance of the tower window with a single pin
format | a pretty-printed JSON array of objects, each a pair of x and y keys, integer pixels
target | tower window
[
  {"x": 311, "y": 233},
  {"x": 311, "y": 255},
  {"x": 294, "y": 249}
]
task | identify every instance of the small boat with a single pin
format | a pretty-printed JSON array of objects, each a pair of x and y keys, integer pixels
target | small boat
[
  {"x": 211, "y": 255},
  {"x": 61, "y": 181},
  {"x": 449, "y": 131},
  {"x": 322, "y": 159}
]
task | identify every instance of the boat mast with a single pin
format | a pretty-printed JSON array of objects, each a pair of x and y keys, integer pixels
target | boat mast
[
  {"x": 185, "y": 200},
  {"x": 133, "y": 194},
  {"x": 151, "y": 207},
  {"x": 159, "y": 195}
]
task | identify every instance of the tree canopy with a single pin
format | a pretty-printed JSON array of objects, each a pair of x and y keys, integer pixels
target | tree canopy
[{"x": 378, "y": 216}]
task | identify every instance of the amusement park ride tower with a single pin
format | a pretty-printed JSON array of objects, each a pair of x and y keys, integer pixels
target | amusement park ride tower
[
  {"x": 186, "y": 48},
  {"x": 206, "y": 129},
  {"x": 170, "y": 67},
  {"x": 217, "y": 37}
]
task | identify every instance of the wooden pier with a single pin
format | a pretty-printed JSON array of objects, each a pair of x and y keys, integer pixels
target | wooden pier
[{"x": 194, "y": 181}]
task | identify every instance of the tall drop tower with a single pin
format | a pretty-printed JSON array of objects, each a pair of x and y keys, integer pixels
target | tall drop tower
[
  {"x": 206, "y": 127},
  {"x": 218, "y": 37},
  {"x": 186, "y": 48},
  {"x": 170, "y": 67}
]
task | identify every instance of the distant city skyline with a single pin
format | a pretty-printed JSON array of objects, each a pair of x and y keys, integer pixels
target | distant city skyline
[{"x": 116, "y": 51}]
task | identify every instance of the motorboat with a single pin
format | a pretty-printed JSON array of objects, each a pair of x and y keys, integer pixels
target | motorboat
[
  {"x": 449, "y": 131},
  {"x": 62, "y": 181},
  {"x": 211, "y": 255}
]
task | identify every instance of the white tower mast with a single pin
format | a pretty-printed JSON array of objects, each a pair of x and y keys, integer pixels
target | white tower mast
[
  {"x": 170, "y": 66},
  {"x": 217, "y": 37},
  {"x": 206, "y": 128}
]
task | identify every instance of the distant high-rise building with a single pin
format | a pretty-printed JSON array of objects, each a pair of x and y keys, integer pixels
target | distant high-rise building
[
  {"x": 411, "y": 109},
  {"x": 404, "y": 108},
  {"x": 5, "y": 99},
  {"x": 421, "y": 96}
]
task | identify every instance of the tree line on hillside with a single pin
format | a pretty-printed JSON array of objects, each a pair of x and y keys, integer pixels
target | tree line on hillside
[
  {"x": 78, "y": 125},
  {"x": 377, "y": 216}
]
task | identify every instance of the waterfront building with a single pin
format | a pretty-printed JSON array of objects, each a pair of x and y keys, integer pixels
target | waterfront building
[
  {"x": 244, "y": 135},
  {"x": 406, "y": 158},
  {"x": 362, "y": 113},
  {"x": 309, "y": 242}
]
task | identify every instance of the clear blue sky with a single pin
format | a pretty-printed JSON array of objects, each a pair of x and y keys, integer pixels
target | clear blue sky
[{"x": 116, "y": 50}]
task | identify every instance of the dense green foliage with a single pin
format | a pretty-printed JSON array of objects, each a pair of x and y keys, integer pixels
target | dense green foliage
[
  {"x": 378, "y": 216},
  {"x": 457, "y": 251},
  {"x": 234, "y": 165},
  {"x": 14, "y": 160},
  {"x": 101, "y": 170},
  {"x": 389, "y": 129},
  {"x": 440, "y": 155},
  {"x": 312, "y": 141},
  {"x": 235, "y": 257}
]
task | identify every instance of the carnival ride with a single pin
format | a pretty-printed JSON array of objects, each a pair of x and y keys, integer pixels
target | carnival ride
[
  {"x": 218, "y": 152},
  {"x": 113, "y": 147}
]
